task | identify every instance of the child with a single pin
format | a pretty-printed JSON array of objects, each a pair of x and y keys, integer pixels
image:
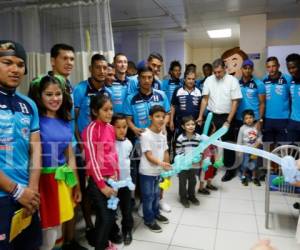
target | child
[
  {"x": 57, "y": 200},
  {"x": 124, "y": 148},
  {"x": 185, "y": 143},
  {"x": 210, "y": 154},
  {"x": 250, "y": 136},
  {"x": 102, "y": 164},
  {"x": 155, "y": 158}
]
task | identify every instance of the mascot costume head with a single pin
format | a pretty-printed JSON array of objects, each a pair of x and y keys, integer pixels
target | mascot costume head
[{"x": 233, "y": 59}]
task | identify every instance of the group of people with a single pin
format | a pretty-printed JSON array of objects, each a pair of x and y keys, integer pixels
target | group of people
[{"x": 60, "y": 145}]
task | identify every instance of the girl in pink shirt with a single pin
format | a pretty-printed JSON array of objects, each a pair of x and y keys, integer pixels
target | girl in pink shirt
[{"x": 102, "y": 163}]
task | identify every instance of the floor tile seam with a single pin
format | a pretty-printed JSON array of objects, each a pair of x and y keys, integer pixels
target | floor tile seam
[
  {"x": 177, "y": 224},
  {"x": 218, "y": 218},
  {"x": 255, "y": 215}
]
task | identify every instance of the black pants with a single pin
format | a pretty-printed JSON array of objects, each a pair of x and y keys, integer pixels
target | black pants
[
  {"x": 187, "y": 177},
  {"x": 229, "y": 155},
  {"x": 124, "y": 194},
  {"x": 105, "y": 217}
]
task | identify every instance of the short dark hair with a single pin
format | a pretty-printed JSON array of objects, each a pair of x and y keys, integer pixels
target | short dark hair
[
  {"x": 272, "y": 58},
  {"x": 186, "y": 119},
  {"x": 207, "y": 65},
  {"x": 191, "y": 66},
  {"x": 155, "y": 55},
  {"x": 248, "y": 112},
  {"x": 111, "y": 65},
  {"x": 144, "y": 69},
  {"x": 174, "y": 64},
  {"x": 156, "y": 108},
  {"x": 97, "y": 57},
  {"x": 131, "y": 64},
  {"x": 188, "y": 71},
  {"x": 117, "y": 55},
  {"x": 116, "y": 117},
  {"x": 60, "y": 46},
  {"x": 97, "y": 103},
  {"x": 294, "y": 57},
  {"x": 217, "y": 63}
]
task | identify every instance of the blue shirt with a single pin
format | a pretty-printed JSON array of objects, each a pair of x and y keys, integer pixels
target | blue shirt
[
  {"x": 186, "y": 103},
  {"x": 56, "y": 135},
  {"x": 295, "y": 99},
  {"x": 277, "y": 97},
  {"x": 250, "y": 91},
  {"x": 134, "y": 84},
  {"x": 169, "y": 86},
  {"x": 138, "y": 106},
  {"x": 74, "y": 140},
  {"x": 82, "y": 98},
  {"x": 18, "y": 120},
  {"x": 119, "y": 90}
]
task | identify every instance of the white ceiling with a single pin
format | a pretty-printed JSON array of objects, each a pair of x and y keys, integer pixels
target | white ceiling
[
  {"x": 194, "y": 17},
  {"x": 189, "y": 17}
]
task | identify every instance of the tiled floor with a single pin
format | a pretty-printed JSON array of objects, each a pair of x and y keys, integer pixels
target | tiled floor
[{"x": 229, "y": 219}]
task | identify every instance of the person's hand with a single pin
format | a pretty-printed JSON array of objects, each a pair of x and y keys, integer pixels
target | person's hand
[
  {"x": 138, "y": 131},
  {"x": 199, "y": 121},
  {"x": 263, "y": 245},
  {"x": 258, "y": 125},
  {"x": 77, "y": 196},
  {"x": 171, "y": 126},
  {"x": 165, "y": 165},
  {"x": 30, "y": 199},
  {"x": 28, "y": 212},
  {"x": 226, "y": 124},
  {"x": 108, "y": 191}
]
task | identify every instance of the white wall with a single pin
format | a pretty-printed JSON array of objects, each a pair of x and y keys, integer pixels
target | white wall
[
  {"x": 283, "y": 32},
  {"x": 200, "y": 56}
]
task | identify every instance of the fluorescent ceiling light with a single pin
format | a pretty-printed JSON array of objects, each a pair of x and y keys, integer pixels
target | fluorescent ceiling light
[{"x": 219, "y": 33}]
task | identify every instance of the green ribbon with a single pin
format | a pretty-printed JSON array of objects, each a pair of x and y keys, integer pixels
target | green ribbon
[{"x": 62, "y": 173}]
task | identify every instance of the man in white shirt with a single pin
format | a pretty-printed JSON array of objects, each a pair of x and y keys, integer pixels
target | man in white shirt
[{"x": 221, "y": 95}]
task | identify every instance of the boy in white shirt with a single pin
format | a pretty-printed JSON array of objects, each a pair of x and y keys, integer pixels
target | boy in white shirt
[{"x": 155, "y": 158}]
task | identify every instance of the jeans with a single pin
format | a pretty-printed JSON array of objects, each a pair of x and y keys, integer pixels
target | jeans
[
  {"x": 248, "y": 164},
  {"x": 105, "y": 217},
  {"x": 150, "y": 192}
]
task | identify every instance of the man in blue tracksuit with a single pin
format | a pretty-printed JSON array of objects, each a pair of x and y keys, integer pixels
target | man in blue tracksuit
[
  {"x": 277, "y": 112},
  {"x": 293, "y": 65}
]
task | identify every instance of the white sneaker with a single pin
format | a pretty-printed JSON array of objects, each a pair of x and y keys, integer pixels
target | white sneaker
[
  {"x": 140, "y": 211},
  {"x": 164, "y": 206}
]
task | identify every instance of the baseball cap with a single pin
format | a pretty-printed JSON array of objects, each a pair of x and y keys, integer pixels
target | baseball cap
[
  {"x": 248, "y": 62},
  {"x": 141, "y": 64},
  {"x": 11, "y": 48}
]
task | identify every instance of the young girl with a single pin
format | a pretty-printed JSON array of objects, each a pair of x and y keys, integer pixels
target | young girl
[
  {"x": 58, "y": 175},
  {"x": 102, "y": 164},
  {"x": 124, "y": 148},
  {"x": 211, "y": 154},
  {"x": 185, "y": 143}
]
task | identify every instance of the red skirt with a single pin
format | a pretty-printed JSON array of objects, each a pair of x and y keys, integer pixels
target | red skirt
[{"x": 57, "y": 205}]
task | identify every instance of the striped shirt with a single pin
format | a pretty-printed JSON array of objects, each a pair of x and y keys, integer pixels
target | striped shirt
[{"x": 185, "y": 145}]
